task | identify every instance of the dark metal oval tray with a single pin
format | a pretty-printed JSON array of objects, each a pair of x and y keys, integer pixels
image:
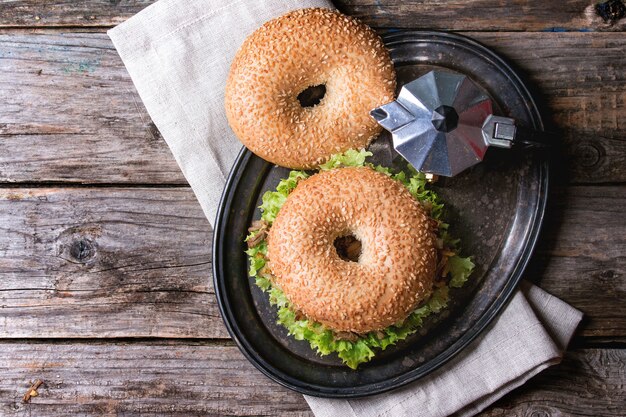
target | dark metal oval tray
[{"x": 496, "y": 209}]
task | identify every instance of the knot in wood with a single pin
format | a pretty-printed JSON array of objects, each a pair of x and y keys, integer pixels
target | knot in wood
[
  {"x": 609, "y": 274},
  {"x": 611, "y": 11},
  {"x": 82, "y": 250},
  {"x": 588, "y": 154}
]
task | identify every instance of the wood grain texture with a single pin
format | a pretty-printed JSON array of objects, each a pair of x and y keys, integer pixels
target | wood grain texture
[
  {"x": 132, "y": 379},
  {"x": 105, "y": 263},
  {"x": 530, "y": 15},
  {"x": 71, "y": 113},
  {"x": 581, "y": 255},
  {"x": 585, "y": 106},
  {"x": 137, "y": 379},
  {"x": 108, "y": 262},
  {"x": 85, "y": 13},
  {"x": 480, "y": 15}
]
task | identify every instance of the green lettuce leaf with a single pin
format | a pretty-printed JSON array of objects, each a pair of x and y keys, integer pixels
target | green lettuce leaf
[
  {"x": 323, "y": 340},
  {"x": 256, "y": 256},
  {"x": 350, "y": 158},
  {"x": 274, "y": 200},
  {"x": 356, "y": 354},
  {"x": 460, "y": 270}
]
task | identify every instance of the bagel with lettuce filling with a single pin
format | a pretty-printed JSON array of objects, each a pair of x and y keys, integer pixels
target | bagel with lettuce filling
[{"x": 355, "y": 256}]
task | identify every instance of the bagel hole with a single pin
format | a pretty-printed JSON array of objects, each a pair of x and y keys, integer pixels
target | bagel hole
[
  {"x": 312, "y": 96},
  {"x": 348, "y": 248}
]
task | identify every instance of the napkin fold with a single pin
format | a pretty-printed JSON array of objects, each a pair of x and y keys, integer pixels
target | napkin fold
[
  {"x": 530, "y": 335},
  {"x": 178, "y": 54}
]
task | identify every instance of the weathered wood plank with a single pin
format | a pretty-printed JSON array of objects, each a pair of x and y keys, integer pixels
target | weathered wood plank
[
  {"x": 69, "y": 12},
  {"x": 71, "y": 113},
  {"x": 105, "y": 263},
  {"x": 531, "y": 15},
  {"x": 581, "y": 255},
  {"x": 134, "y": 379},
  {"x": 585, "y": 106},
  {"x": 70, "y": 110},
  {"x": 477, "y": 15},
  {"x": 108, "y": 262},
  {"x": 130, "y": 379}
]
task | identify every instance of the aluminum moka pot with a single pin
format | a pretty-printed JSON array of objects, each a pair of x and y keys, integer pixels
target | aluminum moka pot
[{"x": 442, "y": 123}]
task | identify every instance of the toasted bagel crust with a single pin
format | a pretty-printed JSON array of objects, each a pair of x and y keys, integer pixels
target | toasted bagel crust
[
  {"x": 396, "y": 268},
  {"x": 301, "y": 49}
]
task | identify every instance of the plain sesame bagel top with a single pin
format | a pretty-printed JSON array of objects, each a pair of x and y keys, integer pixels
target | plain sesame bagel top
[
  {"x": 395, "y": 270},
  {"x": 287, "y": 55}
]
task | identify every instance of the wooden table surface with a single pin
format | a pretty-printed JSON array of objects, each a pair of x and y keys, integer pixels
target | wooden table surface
[{"x": 105, "y": 255}]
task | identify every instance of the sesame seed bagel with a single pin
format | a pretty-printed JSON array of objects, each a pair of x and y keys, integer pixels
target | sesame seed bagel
[
  {"x": 395, "y": 270},
  {"x": 302, "y": 49}
]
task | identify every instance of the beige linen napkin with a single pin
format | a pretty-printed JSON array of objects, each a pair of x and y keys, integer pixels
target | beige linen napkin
[
  {"x": 529, "y": 336},
  {"x": 178, "y": 53}
]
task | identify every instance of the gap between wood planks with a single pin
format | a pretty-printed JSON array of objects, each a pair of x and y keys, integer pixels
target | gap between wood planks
[
  {"x": 132, "y": 185},
  {"x": 73, "y": 184},
  {"x": 118, "y": 341},
  {"x": 578, "y": 342}
]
